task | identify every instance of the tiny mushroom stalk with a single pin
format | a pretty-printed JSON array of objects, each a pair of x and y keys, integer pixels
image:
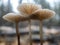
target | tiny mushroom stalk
[
  {"x": 42, "y": 14},
  {"x": 27, "y": 9},
  {"x": 15, "y": 18}
]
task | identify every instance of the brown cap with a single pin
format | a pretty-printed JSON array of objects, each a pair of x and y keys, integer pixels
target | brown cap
[
  {"x": 42, "y": 14},
  {"x": 12, "y": 17},
  {"x": 28, "y": 8}
]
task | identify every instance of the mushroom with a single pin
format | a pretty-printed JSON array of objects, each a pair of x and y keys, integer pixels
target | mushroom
[
  {"x": 27, "y": 9},
  {"x": 41, "y": 15},
  {"x": 15, "y": 18}
]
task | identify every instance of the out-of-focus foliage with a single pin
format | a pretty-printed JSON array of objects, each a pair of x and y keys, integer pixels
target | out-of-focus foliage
[
  {"x": 44, "y": 3},
  {"x": 57, "y": 10},
  {"x": 4, "y": 9}
]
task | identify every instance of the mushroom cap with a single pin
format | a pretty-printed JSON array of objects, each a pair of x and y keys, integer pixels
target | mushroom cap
[
  {"x": 28, "y": 8},
  {"x": 42, "y": 14},
  {"x": 12, "y": 17}
]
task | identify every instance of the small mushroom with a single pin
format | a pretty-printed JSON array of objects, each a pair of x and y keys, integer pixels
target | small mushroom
[
  {"x": 41, "y": 15},
  {"x": 27, "y": 9},
  {"x": 15, "y": 18}
]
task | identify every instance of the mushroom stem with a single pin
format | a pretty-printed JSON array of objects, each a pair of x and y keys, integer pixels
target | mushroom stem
[
  {"x": 17, "y": 33},
  {"x": 30, "y": 33},
  {"x": 41, "y": 33},
  {"x": 5, "y": 39}
]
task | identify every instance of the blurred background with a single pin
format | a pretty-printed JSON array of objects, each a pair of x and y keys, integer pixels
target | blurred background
[{"x": 51, "y": 27}]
